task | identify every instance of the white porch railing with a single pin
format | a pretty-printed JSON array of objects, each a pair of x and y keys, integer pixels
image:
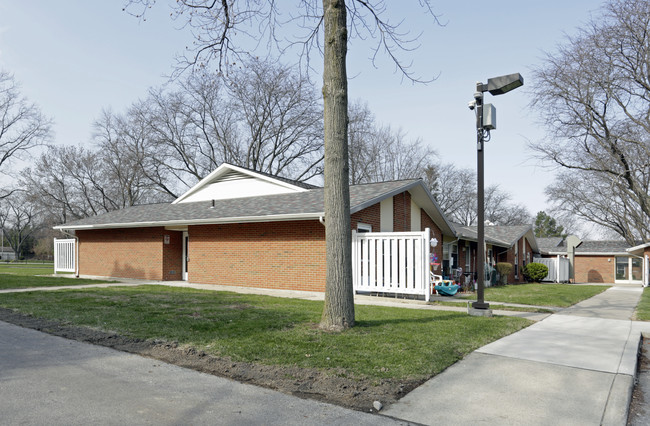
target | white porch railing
[
  {"x": 391, "y": 262},
  {"x": 64, "y": 255}
]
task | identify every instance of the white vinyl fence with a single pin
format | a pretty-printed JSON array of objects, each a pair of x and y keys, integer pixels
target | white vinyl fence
[
  {"x": 64, "y": 255},
  {"x": 391, "y": 262},
  {"x": 558, "y": 268}
]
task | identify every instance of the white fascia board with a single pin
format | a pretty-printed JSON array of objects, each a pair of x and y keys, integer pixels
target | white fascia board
[
  {"x": 637, "y": 248},
  {"x": 225, "y": 220},
  {"x": 223, "y": 169}
]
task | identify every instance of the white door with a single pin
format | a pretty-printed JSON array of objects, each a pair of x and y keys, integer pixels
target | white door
[{"x": 186, "y": 253}]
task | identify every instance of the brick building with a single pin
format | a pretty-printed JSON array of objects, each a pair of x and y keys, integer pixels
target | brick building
[
  {"x": 244, "y": 228},
  {"x": 601, "y": 261},
  {"x": 510, "y": 244}
]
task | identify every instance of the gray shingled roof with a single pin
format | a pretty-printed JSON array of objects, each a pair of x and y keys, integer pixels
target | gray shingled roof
[
  {"x": 549, "y": 244},
  {"x": 307, "y": 203},
  {"x": 587, "y": 246},
  {"x": 604, "y": 246},
  {"x": 504, "y": 236}
]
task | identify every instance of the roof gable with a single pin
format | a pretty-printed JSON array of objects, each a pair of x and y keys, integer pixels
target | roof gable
[{"x": 228, "y": 182}]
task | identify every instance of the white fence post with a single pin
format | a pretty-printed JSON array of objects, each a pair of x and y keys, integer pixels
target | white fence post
[{"x": 64, "y": 255}]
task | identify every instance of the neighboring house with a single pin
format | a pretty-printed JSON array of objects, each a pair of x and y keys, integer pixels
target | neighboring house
[
  {"x": 599, "y": 261},
  {"x": 511, "y": 244},
  {"x": 7, "y": 254},
  {"x": 245, "y": 228}
]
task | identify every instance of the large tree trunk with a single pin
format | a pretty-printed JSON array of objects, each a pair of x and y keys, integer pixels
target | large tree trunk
[{"x": 338, "y": 312}]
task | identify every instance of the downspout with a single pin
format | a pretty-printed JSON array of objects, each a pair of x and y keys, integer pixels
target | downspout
[
  {"x": 76, "y": 247},
  {"x": 321, "y": 219}
]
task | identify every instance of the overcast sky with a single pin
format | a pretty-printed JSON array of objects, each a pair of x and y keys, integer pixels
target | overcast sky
[{"x": 75, "y": 57}]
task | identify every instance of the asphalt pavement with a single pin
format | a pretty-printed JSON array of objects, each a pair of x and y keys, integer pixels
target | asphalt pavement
[{"x": 49, "y": 380}]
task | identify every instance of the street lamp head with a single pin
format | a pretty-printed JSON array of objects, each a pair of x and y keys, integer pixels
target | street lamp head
[{"x": 504, "y": 84}]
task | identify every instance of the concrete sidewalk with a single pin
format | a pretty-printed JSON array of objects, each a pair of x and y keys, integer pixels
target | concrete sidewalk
[{"x": 575, "y": 367}]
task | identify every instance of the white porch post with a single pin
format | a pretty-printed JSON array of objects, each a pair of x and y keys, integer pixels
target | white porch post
[{"x": 427, "y": 262}]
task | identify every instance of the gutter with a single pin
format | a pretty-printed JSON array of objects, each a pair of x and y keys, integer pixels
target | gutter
[{"x": 207, "y": 221}]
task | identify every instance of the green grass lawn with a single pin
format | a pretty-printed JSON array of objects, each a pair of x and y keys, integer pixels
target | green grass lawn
[
  {"x": 386, "y": 343},
  {"x": 643, "y": 308},
  {"x": 26, "y": 269},
  {"x": 560, "y": 295},
  {"x": 25, "y": 277}
]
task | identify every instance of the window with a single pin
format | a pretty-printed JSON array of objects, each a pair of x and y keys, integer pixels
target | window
[
  {"x": 629, "y": 268},
  {"x": 622, "y": 264},
  {"x": 467, "y": 256},
  {"x": 364, "y": 227}
]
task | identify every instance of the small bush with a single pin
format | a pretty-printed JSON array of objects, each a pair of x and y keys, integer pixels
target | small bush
[
  {"x": 504, "y": 269},
  {"x": 535, "y": 271}
]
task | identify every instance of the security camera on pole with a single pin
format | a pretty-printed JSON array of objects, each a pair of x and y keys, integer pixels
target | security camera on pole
[{"x": 486, "y": 120}]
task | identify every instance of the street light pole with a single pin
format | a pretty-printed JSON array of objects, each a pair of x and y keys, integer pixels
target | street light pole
[
  {"x": 480, "y": 205},
  {"x": 485, "y": 121}
]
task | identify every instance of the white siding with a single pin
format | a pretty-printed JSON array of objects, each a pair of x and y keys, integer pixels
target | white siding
[
  {"x": 416, "y": 219},
  {"x": 236, "y": 188},
  {"x": 386, "y": 215}
]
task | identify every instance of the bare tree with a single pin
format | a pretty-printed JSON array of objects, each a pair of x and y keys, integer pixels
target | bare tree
[
  {"x": 18, "y": 221},
  {"x": 221, "y": 32},
  {"x": 281, "y": 120},
  {"x": 261, "y": 116},
  {"x": 22, "y": 126},
  {"x": 74, "y": 182},
  {"x": 594, "y": 96},
  {"x": 381, "y": 153},
  {"x": 454, "y": 189}
]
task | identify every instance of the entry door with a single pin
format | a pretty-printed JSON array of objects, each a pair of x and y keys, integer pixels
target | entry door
[{"x": 186, "y": 254}]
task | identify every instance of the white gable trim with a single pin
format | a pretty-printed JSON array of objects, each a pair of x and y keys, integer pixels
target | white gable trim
[{"x": 269, "y": 185}]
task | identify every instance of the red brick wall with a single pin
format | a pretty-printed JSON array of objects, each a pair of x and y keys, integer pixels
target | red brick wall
[
  {"x": 370, "y": 215},
  {"x": 595, "y": 269},
  {"x": 281, "y": 255},
  {"x": 127, "y": 252},
  {"x": 402, "y": 212},
  {"x": 508, "y": 255}
]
